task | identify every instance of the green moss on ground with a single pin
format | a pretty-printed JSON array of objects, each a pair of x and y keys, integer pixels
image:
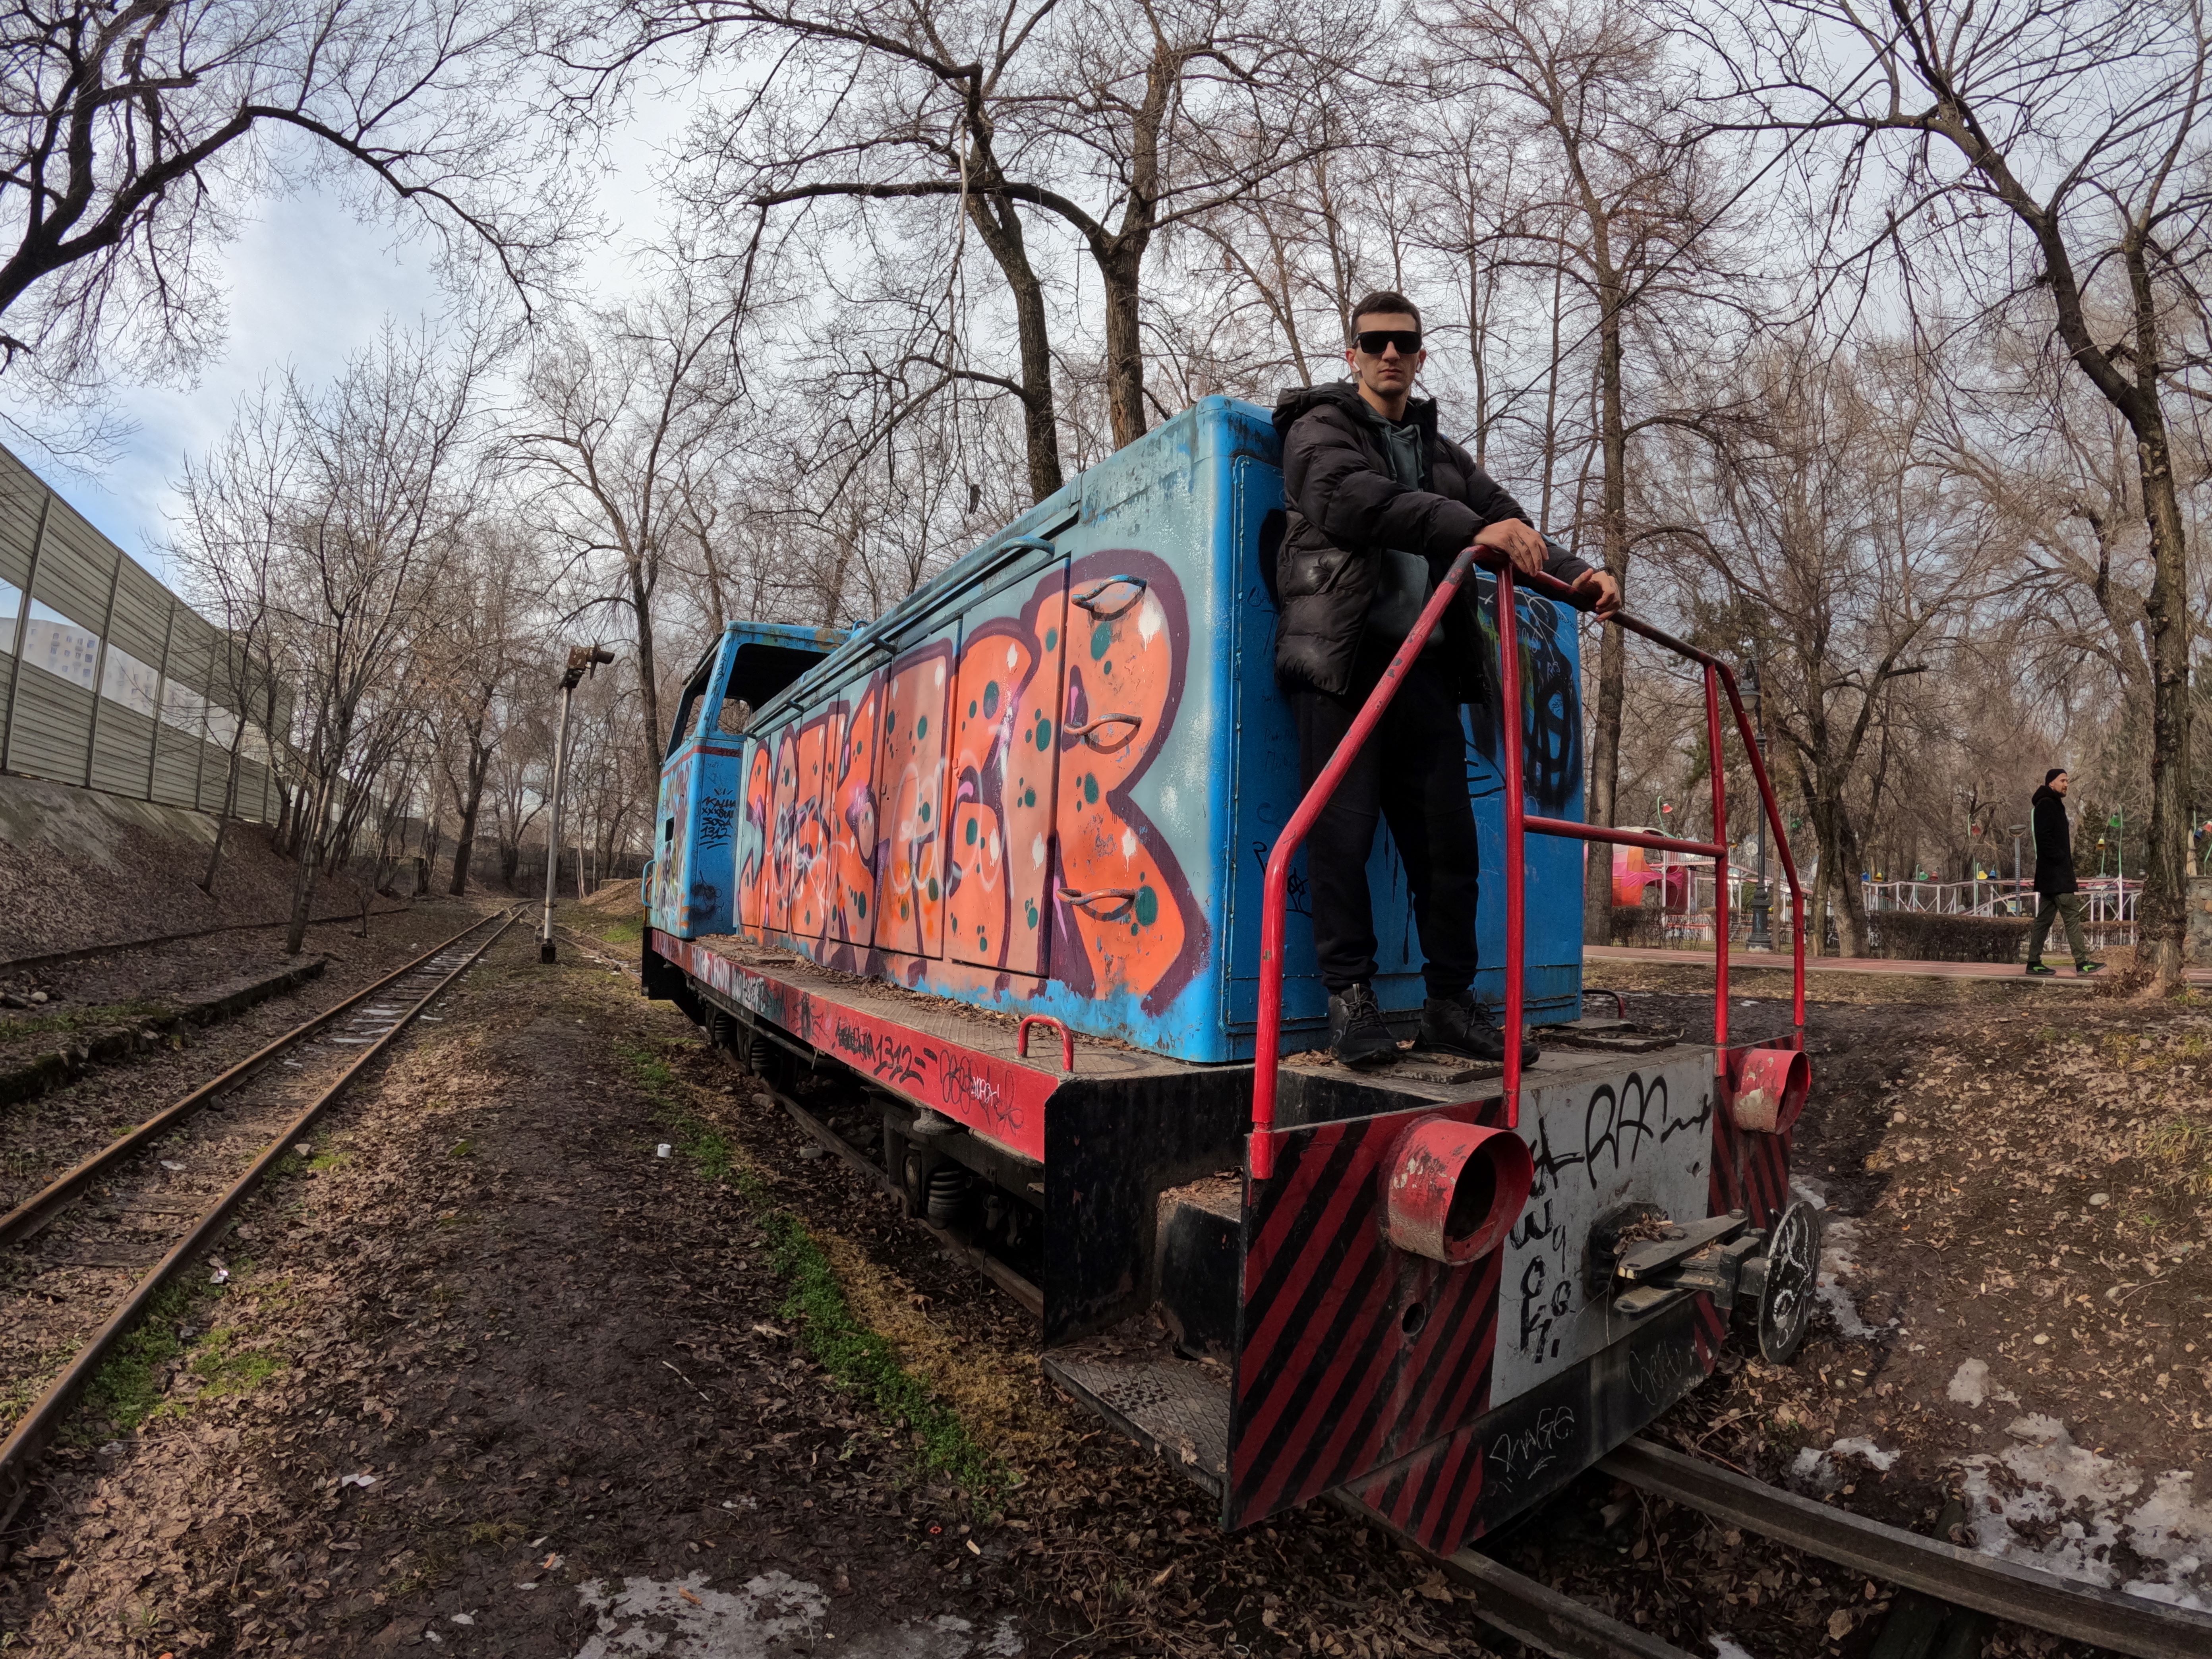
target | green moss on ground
[
  {"x": 125, "y": 1391},
  {"x": 856, "y": 1357},
  {"x": 99, "y": 1017}
]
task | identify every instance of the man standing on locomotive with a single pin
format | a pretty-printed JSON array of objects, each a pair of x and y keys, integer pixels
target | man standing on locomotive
[
  {"x": 2055, "y": 882},
  {"x": 1379, "y": 503}
]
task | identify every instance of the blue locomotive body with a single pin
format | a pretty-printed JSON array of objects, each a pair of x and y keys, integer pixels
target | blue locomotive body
[{"x": 1048, "y": 782}]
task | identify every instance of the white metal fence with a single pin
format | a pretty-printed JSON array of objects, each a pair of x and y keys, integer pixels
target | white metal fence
[{"x": 2104, "y": 899}]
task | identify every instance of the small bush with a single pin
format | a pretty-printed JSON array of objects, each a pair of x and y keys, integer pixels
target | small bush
[
  {"x": 1638, "y": 924},
  {"x": 1916, "y": 936}
]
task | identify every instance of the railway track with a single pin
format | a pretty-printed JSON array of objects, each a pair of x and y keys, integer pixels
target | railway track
[
  {"x": 88, "y": 952},
  {"x": 1938, "y": 1575},
  {"x": 98, "y": 1243}
]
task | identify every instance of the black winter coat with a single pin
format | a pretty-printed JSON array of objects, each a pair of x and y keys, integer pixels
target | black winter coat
[
  {"x": 2054, "y": 845},
  {"x": 1344, "y": 509}
]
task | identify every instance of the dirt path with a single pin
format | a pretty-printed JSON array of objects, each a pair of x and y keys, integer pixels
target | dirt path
[{"x": 491, "y": 1376}]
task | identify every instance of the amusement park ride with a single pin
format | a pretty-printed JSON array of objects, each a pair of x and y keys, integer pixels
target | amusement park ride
[{"x": 1057, "y": 788}]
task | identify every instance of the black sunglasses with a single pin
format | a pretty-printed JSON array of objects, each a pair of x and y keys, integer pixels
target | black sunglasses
[{"x": 1374, "y": 341}]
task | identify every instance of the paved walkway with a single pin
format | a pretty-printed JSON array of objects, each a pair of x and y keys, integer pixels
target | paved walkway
[{"x": 1741, "y": 959}]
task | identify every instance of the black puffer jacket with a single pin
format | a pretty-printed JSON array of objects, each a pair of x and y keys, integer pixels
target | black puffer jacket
[
  {"x": 2054, "y": 844},
  {"x": 1344, "y": 509}
]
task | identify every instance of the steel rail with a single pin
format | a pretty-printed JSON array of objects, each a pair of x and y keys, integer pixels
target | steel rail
[
  {"x": 1538, "y": 1616},
  {"x": 2018, "y": 1595},
  {"x": 86, "y": 952},
  {"x": 30, "y": 1437},
  {"x": 28, "y": 1216}
]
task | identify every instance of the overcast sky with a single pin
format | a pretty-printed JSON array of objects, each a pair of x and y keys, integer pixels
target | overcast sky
[{"x": 307, "y": 285}]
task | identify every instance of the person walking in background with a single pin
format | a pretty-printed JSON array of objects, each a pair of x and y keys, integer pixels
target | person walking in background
[{"x": 2054, "y": 878}]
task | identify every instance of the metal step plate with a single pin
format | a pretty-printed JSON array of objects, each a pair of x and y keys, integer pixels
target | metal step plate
[{"x": 1179, "y": 1409}]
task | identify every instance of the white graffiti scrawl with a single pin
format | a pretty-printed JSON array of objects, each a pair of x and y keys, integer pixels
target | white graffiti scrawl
[{"x": 1598, "y": 1145}]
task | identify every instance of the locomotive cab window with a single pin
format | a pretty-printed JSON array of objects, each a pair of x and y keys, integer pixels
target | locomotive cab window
[{"x": 687, "y": 714}]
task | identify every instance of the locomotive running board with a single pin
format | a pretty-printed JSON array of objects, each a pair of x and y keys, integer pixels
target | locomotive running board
[{"x": 1174, "y": 1408}]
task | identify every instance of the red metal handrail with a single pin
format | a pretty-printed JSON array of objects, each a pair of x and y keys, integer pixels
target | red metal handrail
[{"x": 1266, "y": 1060}]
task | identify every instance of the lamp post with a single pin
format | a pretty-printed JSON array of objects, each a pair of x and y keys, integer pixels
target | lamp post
[
  {"x": 2016, "y": 830},
  {"x": 1762, "y": 901},
  {"x": 582, "y": 660}
]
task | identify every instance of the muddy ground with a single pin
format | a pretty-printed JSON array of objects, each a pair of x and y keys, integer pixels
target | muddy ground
[{"x": 491, "y": 1376}]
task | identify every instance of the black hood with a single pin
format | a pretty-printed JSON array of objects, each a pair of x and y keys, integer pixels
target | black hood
[
  {"x": 2046, "y": 792},
  {"x": 1296, "y": 400}
]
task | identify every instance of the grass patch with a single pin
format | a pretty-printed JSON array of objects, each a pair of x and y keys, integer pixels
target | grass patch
[
  {"x": 858, "y": 1358},
  {"x": 223, "y": 1369},
  {"x": 97, "y": 1018},
  {"x": 621, "y": 930},
  {"x": 862, "y": 1361},
  {"x": 2184, "y": 1145},
  {"x": 705, "y": 1147},
  {"x": 123, "y": 1393}
]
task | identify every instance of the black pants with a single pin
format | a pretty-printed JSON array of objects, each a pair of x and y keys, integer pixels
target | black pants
[{"x": 1413, "y": 774}]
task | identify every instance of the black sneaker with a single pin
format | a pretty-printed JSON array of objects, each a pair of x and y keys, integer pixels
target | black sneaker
[
  {"x": 2040, "y": 968},
  {"x": 2088, "y": 967},
  {"x": 1461, "y": 1025},
  {"x": 1356, "y": 1034}
]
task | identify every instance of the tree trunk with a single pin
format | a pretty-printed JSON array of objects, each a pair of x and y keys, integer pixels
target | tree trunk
[
  {"x": 649, "y": 681},
  {"x": 464, "y": 840},
  {"x": 303, "y": 890},
  {"x": 1000, "y": 229},
  {"x": 1125, "y": 349},
  {"x": 1838, "y": 883},
  {"x": 1612, "y": 650},
  {"x": 222, "y": 818},
  {"x": 2162, "y": 916}
]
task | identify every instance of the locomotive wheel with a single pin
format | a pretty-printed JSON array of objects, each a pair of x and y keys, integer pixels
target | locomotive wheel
[{"x": 1793, "y": 1273}]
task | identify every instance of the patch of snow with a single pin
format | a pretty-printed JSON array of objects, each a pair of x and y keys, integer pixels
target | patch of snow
[
  {"x": 1724, "y": 1647},
  {"x": 1839, "y": 1237},
  {"x": 1815, "y": 1470},
  {"x": 682, "y": 1619},
  {"x": 2098, "y": 1503},
  {"x": 1866, "y": 1451},
  {"x": 1969, "y": 1384}
]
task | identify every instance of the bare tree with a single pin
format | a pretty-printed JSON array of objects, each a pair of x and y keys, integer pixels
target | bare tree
[
  {"x": 628, "y": 410},
  {"x": 491, "y": 618},
  {"x": 131, "y": 134},
  {"x": 1825, "y": 533},
  {"x": 378, "y": 478},
  {"x": 228, "y": 548},
  {"x": 1612, "y": 200},
  {"x": 2053, "y": 160}
]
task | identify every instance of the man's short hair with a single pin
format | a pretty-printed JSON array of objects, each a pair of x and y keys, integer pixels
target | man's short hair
[{"x": 1382, "y": 300}]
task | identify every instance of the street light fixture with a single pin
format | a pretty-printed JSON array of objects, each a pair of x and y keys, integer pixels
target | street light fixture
[{"x": 582, "y": 660}]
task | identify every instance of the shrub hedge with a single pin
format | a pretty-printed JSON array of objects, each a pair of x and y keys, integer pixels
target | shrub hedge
[{"x": 1917, "y": 936}]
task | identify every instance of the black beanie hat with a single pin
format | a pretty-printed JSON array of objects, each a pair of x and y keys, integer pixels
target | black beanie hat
[{"x": 2055, "y": 772}]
